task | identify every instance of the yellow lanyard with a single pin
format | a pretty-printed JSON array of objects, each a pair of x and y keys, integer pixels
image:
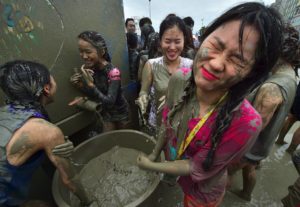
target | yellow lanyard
[{"x": 185, "y": 143}]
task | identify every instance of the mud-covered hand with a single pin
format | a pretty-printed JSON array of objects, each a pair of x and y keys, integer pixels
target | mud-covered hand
[
  {"x": 64, "y": 150},
  {"x": 143, "y": 161},
  {"x": 142, "y": 102},
  {"x": 76, "y": 80},
  {"x": 87, "y": 76}
]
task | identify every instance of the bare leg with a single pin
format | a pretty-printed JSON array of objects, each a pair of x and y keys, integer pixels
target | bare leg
[
  {"x": 291, "y": 119},
  {"x": 295, "y": 141},
  {"x": 249, "y": 181},
  {"x": 232, "y": 169}
]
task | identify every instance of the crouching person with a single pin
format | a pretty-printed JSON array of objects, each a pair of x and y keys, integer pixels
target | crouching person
[{"x": 26, "y": 135}]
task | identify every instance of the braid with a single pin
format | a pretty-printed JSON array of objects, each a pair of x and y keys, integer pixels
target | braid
[
  {"x": 22, "y": 82},
  {"x": 223, "y": 121},
  {"x": 268, "y": 24},
  {"x": 106, "y": 55}
]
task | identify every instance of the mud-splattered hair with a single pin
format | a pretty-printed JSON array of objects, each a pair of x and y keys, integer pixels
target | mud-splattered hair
[
  {"x": 146, "y": 30},
  {"x": 291, "y": 47},
  {"x": 96, "y": 39},
  {"x": 23, "y": 81},
  {"x": 268, "y": 24},
  {"x": 144, "y": 20}
]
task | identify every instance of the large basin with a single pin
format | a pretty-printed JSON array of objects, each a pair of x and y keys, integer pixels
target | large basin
[{"x": 99, "y": 144}]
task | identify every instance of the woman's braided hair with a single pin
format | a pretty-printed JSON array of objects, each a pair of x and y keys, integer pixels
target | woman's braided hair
[
  {"x": 268, "y": 24},
  {"x": 23, "y": 81}
]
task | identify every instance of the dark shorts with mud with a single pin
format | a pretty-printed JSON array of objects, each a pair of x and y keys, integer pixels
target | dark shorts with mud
[{"x": 295, "y": 110}]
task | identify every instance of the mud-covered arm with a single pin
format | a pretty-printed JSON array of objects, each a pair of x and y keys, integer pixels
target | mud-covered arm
[
  {"x": 177, "y": 84},
  {"x": 147, "y": 79},
  {"x": 143, "y": 99},
  {"x": 67, "y": 172},
  {"x": 175, "y": 90},
  {"x": 114, "y": 77},
  {"x": 267, "y": 100},
  {"x": 177, "y": 167},
  {"x": 64, "y": 150},
  {"x": 161, "y": 141}
]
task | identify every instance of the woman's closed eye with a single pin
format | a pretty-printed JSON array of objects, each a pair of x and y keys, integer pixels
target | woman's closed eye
[
  {"x": 238, "y": 63},
  {"x": 215, "y": 47}
]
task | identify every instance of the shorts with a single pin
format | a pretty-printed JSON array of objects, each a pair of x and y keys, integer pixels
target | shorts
[
  {"x": 295, "y": 110},
  {"x": 251, "y": 161}
]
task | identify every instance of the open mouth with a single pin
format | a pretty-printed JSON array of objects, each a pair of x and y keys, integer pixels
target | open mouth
[{"x": 172, "y": 54}]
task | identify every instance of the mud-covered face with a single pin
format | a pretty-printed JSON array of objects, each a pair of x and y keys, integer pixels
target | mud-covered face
[
  {"x": 219, "y": 63},
  {"x": 88, "y": 53},
  {"x": 172, "y": 43}
]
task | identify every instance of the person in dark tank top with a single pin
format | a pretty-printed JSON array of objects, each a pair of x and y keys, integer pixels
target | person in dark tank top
[{"x": 26, "y": 133}]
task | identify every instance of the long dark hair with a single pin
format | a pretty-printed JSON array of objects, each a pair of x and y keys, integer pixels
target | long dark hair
[
  {"x": 268, "y": 24},
  {"x": 96, "y": 39},
  {"x": 23, "y": 81}
]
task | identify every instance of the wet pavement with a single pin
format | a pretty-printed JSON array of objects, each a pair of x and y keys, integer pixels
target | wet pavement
[
  {"x": 273, "y": 178},
  {"x": 277, "y": 172}
]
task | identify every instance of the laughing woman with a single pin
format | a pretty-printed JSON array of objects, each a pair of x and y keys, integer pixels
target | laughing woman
[
  {"x": 212, "y": 124},
  {"x": 157, "y": 72},
  {"x": 101, "y": 81}
]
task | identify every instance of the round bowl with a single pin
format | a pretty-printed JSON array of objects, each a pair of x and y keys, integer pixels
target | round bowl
[{"x": 102, "y": 143}]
